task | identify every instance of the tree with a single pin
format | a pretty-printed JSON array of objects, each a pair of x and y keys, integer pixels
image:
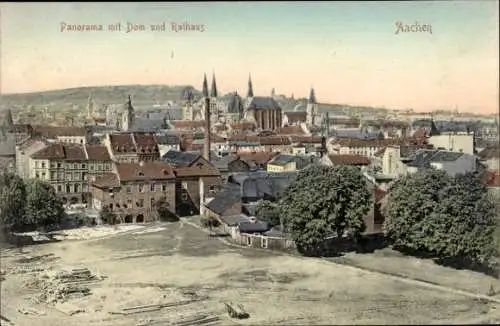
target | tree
[
  {"x": 164, "y": 212},
  {"x": 449, "y": 218},
  {"x": 43, "y": 207},
  {"x": 13, "y": 203},
  {"x": 323, "y": 201},
  {"x": 107, "y": 216},
  {"x": 269, "y": 212}
]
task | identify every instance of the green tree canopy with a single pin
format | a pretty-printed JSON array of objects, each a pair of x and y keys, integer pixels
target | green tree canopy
[
  {"x": 450, "y": 218},
  {"x": 43, "y": 206},
  {"x": 107, "y": 216},
  {"x": 269, "y": 212},
  {"x": 164, "y": 212},
  {"x": 13, "y": 203},
  {"x": 323, "y": 201}
]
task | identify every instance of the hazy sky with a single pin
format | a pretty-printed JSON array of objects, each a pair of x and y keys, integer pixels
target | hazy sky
[{"x": 348, "y": 51}]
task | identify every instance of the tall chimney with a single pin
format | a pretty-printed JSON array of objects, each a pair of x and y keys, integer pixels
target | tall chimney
[{"x": 206, "y": 141}]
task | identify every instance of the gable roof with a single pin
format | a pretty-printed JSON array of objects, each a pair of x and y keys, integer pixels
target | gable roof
[
  {"x": 145, "y": 171},
  {"x": 224, "y": 200},
  {"x": 177, "y": 158},
  {"x": 263, "y": 103},
  {"x": 59, "y": 151},
  {"x": 282, "y": 159},
  {"x": 349, "y": 160},
  {"x": 97, "y": 153},
  {"x": 296, "y": 116}
]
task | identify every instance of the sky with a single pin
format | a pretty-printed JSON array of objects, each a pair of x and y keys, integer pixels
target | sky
[{"x": 348, "y": 51}]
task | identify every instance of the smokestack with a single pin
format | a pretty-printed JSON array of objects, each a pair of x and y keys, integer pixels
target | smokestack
[{"x": 206, "y": 141}]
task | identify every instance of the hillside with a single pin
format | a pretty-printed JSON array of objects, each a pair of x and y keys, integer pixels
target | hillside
[
  {"x": 141, "y": 94},
  {"x": 101, "y": 94}
]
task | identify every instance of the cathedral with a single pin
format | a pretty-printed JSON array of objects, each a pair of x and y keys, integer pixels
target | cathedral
[{"x": 264, "y": 111}]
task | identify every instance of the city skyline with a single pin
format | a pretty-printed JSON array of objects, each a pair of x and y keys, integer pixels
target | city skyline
[{"x": 351, "y": 53}]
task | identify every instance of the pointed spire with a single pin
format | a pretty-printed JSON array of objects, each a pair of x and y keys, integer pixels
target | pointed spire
[
  {"x": 273, "y": 92},
  {"x": 250, "y": 87},
  {"x": 205, "y": 86},
  {"x": 213, "y": 92},
  {"x": 8, "y": 121},
  {"x": 130, "y": 108},
  {"x": 434, "y": 130},
  {"x": 312, "y": 97}
]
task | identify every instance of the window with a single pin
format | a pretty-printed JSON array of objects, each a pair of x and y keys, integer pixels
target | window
[
  {"x": 52, "y": 165},
  {"x": 59, "y": 188},
  {"x": 128, "y": 189},
  {"x": 184, "y": 196},
  {"x": 43, "y": 175},
  {"x": 81, "y": 141},
  {"x": 75, "y": 166},
  {"x": 152, "y": 187},
  {"x": 249, "y": 240},
  {"x": 163, "y": 187},
  {"x": 68, "y": 176},
  {"x": 140, "y": 187},
  {"x": 84, "y": 166},
  {"x": 85, "y": 187},
  {"x": 53, "y": 175},
  {"x": 129, "y": 203},
  {"x": 152, "y": 202},
  {"x": 77, "y": 188},
  {"x": 111, "y": 206},
  {"x": 76, "y": 176},
  {"x": 140, "y": 203},
  {"x": 211, "y": 190},
  {"x": 37, "y": 175},
  {"x": 59, "y": 165},
  {"x": 43, "y": 165},
  {"x": 68, "y": 189},
  {"x": 91, "y": 167}
]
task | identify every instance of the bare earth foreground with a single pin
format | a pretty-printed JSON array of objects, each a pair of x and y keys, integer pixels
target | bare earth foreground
[{"x": 181, "y": 262}]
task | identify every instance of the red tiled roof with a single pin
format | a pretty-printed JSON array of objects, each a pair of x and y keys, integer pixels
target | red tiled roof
[
  {"x": 97, "y": 153},
  {"x": 145, "y": 143},
  {"x": 122, "y": 143},
  {"x": 108, "y": 180},
  {"x": 52, "y": 132},
  {"x": 307, "y": 139},
  {"x": 59, "y": 151},
  {"x": 144, "y": 171},
  {"x": 290, "y": 130},
  {"x": 493, "y": 180},
  {"x": 243, "y": 126},
  {"x": 188, "y": 124},
  {"x": 349, "y": 159}
]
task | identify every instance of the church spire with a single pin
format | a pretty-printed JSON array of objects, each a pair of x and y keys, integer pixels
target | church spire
[
  {"x": 213, "y": 92},
  {"x": 312, "y": 97},
  {"x": 205, "y": 86},
  {"x": 250, "y": 87}
]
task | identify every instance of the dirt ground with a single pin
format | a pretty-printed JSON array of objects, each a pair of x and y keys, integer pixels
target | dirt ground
[{"x": 178, "y": 262}]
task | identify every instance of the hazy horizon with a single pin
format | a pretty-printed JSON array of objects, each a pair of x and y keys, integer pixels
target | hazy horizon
[{"x": 347, "y": 51}]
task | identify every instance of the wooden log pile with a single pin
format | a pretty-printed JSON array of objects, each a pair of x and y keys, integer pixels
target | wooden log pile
[
  {"x": 152, "y": 307},
  {"x": 63, "y": 285}
]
